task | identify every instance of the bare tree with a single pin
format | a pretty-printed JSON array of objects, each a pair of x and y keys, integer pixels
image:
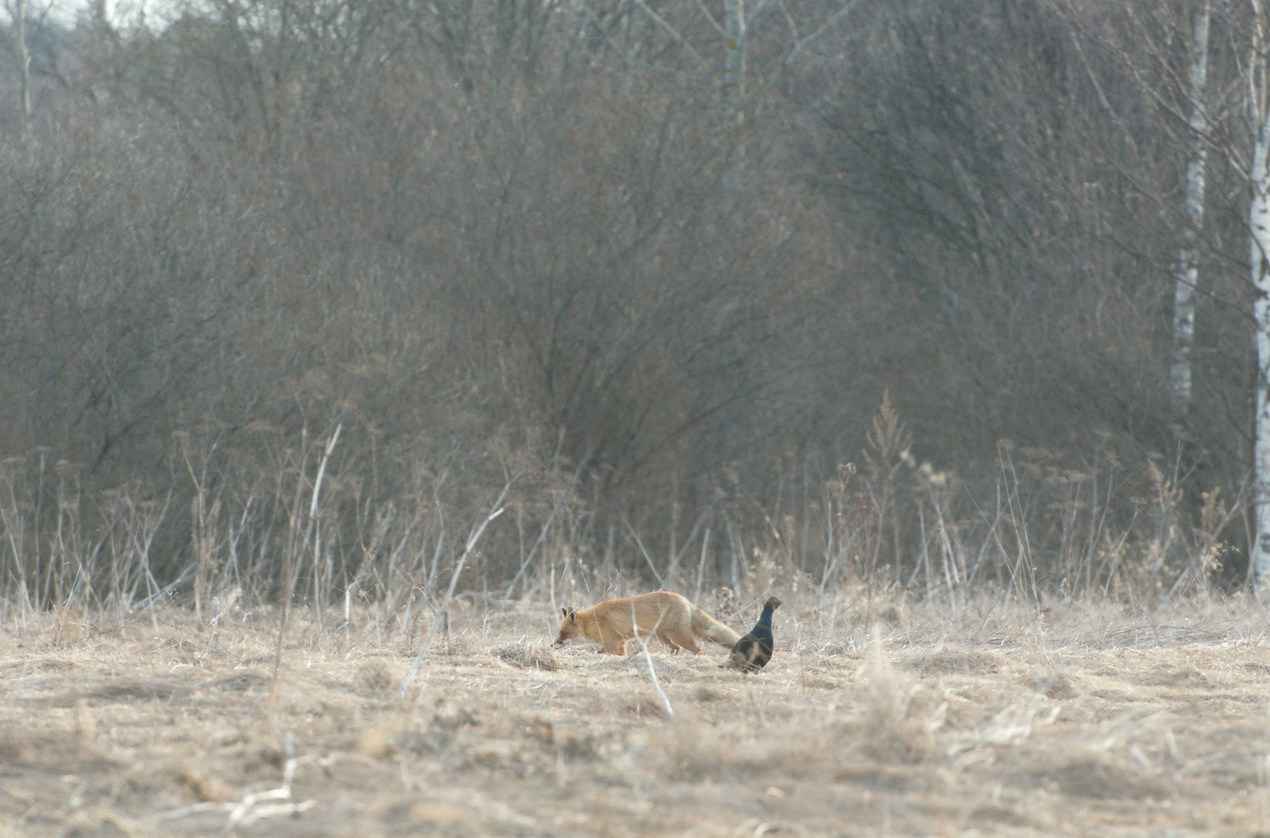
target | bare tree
[
  {"x": 21, "y": 16},
  {"x": 1187, "y": 271},
  {"x": 24, "y": 59},
  {"x": 1259, "y": 225}
]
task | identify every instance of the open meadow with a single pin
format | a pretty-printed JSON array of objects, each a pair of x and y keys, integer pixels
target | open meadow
[
  {"x": 872, "y": 719},
  {"x": 345, "y": 345}
]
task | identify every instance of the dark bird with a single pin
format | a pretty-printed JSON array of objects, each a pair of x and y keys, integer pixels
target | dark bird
[{"x": 752, "y": 652}]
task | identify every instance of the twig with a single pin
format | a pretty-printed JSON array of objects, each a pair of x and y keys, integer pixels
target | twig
[
  {"x": 248, "y": 810},
  {"x": 648, "y": 659},
  {"x": 542, "y": 536},
  {"x": 643, "y": 551},
  {"x": 315, "y": 527},
  {"x": 150, "y": 601},
  {"x": 495, "y": 510},
  {"x": 289, "y": 569}
]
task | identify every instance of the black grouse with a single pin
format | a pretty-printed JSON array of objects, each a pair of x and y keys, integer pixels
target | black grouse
[{"x": 752, "y": 652}]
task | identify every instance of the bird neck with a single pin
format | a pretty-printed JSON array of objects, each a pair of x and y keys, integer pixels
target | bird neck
[{"x": 765, "y": 620}]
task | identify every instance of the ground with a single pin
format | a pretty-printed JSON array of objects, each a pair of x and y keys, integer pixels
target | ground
[{"x": 872, "y": 719}]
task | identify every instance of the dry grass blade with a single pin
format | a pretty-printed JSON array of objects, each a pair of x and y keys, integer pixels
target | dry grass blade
[
  {"x": 472, "y": 540},
  {"x": 528, "y": 657}
]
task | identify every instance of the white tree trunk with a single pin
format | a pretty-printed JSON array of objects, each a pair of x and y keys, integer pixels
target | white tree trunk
[
  {"x": 734, "y": 60},
  {"x": 734, "y": 88},
  {"x": 1186, "y": 274},
  {"x": 24, "y": 60},
  {"x": 1259, "y": 222}
]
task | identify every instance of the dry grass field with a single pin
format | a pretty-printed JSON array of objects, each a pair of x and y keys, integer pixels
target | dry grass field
[{"x": 1085, "y": 719}]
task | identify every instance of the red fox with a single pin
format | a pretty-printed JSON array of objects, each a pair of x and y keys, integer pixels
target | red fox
[{"x": 667, "y": 616}]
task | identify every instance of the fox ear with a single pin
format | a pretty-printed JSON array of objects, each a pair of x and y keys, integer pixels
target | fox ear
[{"x": 570, "y": 614}]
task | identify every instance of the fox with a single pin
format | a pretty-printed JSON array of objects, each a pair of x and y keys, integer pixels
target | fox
[{"x": 668, "y": 616}]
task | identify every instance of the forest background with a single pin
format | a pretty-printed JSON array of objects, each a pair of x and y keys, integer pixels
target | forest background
[{"x": 340, "y": 298}]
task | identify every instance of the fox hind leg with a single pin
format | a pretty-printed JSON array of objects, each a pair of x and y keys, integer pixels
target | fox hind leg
[{"x": 681, "y": 641}]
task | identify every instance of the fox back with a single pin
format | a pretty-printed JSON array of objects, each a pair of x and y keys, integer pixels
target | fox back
[{"x": 664, "y": 614}]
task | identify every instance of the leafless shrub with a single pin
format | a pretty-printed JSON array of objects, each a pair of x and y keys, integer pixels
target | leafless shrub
[{"x": 282, "y": 312}]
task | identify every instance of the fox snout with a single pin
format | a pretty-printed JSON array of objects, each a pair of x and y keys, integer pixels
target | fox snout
[{"x": 568, "y": 628}]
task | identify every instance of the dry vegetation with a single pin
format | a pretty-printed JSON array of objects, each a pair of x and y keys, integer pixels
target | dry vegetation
[
  {"x": 315, "y": 315},
  {"x": 881, "y": 719}
]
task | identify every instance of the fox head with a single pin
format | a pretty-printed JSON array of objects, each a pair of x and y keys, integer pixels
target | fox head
[{"x": 568, "y": 627}]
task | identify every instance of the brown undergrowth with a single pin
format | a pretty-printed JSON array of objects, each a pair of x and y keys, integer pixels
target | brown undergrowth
[{"x": 1075, "y": 719}]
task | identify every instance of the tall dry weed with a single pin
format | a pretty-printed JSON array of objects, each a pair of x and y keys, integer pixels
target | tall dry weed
[{"x": 898, "y": 717}]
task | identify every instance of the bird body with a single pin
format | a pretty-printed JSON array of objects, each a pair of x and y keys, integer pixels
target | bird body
[{"x": 752, "y": 652}]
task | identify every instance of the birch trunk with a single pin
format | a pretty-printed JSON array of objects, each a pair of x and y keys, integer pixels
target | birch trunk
[
  {"x": 1259, "y": 223},
  {"x": 1186, "y": 274},
  {"x": 734, "y": 86},
  {"x": 734, "y": 60},
  {"x": 24, "y": 61}
]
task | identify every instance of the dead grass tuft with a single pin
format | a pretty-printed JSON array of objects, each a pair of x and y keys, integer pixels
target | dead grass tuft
[
  {"x": 85, "y": 723},
  {"x": 190, "y": 781},
  {"x": 201, "y": 786},
  {"x": 705, "y": 692},
  {"x": 451, "y": 715},
  {"x": 898, "y": 717},
  {"x": 643, "y": 707},
  {"x": 1056, "y": 686},
  {"x": 98, "y": 823},
  {"x": 888, "y": 617},
  {"x": 892, "y": 616},
  {"x": 61, "y": 750},
  {"x": 584, "y": 747},
  {"x": 120, "y": 691},
  {"x": 388, "y": 737},
  {"x": 528, "y": 657},
  {"x": 1097, "y": 775},
  {"x": 695, "y": 750},
  {"x": 445, "y": 819},
  {"x": 68, "y": 627},
  {"x": 1173, "y": 675},
  {"x": 375, "y": 676},
  {"x": 241, "y": 680},
  {"x": 957, "y": 660}
]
